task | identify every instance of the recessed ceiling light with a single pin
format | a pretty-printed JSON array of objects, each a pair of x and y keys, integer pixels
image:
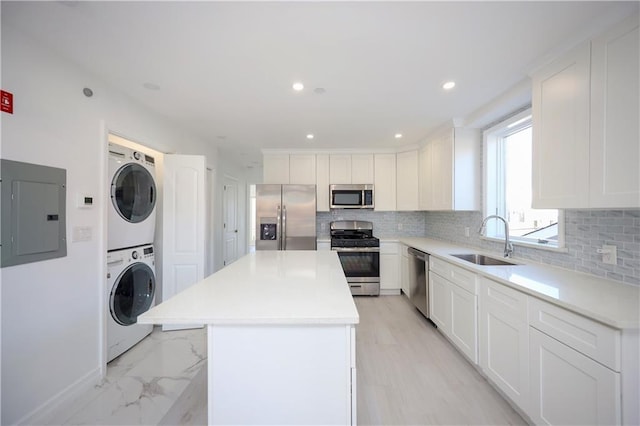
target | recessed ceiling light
[
  {"x": 310, "y": 136},
  {"x": 398, "y": 135},
  {"x": 297, "y": 86},
  {"x": 449, "y": 85}
]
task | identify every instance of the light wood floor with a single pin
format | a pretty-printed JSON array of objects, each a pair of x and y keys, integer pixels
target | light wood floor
[{"x": 409, "y": 374}]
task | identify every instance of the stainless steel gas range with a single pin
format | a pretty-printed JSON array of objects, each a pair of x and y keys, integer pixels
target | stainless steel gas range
[{"x": 359, "y": 253}]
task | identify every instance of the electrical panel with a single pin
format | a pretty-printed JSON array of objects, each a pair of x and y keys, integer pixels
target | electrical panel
[{"x": 33, "y": 213}]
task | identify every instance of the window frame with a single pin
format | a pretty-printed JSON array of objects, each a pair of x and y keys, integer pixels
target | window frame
[{"x": 493, "y": 158}]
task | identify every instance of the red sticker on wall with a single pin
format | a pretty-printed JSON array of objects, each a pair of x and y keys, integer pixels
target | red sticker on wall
[{"x": 6, "y": 101}]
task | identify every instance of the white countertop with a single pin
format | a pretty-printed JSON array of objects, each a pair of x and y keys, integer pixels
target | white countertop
[
  {"x": 609, "y": 302},
  {"x": 265, "y": 287}
]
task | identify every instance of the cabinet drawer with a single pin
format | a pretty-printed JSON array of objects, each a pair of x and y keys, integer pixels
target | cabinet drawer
[
  {"x": 459, "y": 276},
  {"x": 595, "y": 340},
  {"x": 501, "y": 298}
]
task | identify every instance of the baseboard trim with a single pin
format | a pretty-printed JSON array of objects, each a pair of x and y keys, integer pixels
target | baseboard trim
[
  {"x": 389, "y": 292},
  {"x": 62, "y": 400}
]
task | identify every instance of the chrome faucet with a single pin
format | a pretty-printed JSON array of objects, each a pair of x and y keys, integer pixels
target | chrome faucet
[{"x": 508, "y": 247}]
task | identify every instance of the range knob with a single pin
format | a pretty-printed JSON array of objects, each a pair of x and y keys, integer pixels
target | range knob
[{"x": 134, "y": 254}]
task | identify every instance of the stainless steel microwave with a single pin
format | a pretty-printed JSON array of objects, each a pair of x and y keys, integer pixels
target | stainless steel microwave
[{"x": 351, "y": 196}]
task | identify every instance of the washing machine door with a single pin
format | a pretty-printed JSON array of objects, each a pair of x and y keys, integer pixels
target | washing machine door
[
  {"x": 133, "y": 192},
  {"x": 132, "y": 293}
]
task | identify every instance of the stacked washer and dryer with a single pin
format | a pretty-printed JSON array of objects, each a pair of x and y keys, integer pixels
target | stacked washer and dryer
[{"x": 131, "y": 281}]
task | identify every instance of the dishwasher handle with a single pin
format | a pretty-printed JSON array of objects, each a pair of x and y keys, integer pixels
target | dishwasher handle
[{"x": 417, "y": 253}]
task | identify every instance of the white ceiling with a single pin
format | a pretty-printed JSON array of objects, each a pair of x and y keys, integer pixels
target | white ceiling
[{"x": 225, "y": 69}]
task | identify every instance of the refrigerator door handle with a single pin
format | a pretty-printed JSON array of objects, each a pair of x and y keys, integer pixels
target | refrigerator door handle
[
  {"x": 279, "y": 229},
  {"x": 284, "y": 227}
]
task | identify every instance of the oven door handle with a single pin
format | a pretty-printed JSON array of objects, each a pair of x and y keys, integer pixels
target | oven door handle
[{"x": 356, "y": 249}]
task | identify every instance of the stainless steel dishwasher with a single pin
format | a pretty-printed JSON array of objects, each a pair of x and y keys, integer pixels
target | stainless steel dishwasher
[{"x": 419, "y": 279}]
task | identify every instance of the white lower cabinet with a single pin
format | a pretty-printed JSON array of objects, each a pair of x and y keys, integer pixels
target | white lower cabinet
[
  {"x": 454, "y": 310},
  {"x": 389, "y": 268},
  {"x": 568, "y": 387},
  {"x": 464, "y": 325},
  {"x": 556, "y": 366},
  {"x": 504, "y": 340},
  {"x": 404, "y": 271}
]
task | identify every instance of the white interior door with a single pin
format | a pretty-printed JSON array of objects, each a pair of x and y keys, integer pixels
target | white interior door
[
  {"x": 210, "y": 221},
  {"x": 230, "y": 220},
  {"x": 183, "y": 257}
]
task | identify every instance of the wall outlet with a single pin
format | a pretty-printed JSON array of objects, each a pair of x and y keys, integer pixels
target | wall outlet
[
  {"x": 466, "y": 231},
  {"x": 399, "y": 227},
  {"x": 609, "y": 254}
]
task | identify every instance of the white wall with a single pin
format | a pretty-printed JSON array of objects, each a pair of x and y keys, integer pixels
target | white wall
[{"x": 52, "y": 311}]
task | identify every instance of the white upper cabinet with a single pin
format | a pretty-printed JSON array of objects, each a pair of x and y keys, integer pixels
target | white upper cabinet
[
  {"x": 302, "y": 169},
  {"x": 385, "y": 182},
  {"x": 449, "y": 171},
  {"x": 339, "y": 168},
  {"x": 407, "y": 181},
  {"x": 586, "y": 142},
  {"x": 298, "y": 169},
  {"x": 346, "y": 168},
  {"x": 424, "y": 177},
  {"x": 362, "y": 168},
  {"x": 322, "y": 182},
  {"x": 615, "y": 135},
  {"x": 560, "y": 105},
  {"x": 275, "y": 168}
]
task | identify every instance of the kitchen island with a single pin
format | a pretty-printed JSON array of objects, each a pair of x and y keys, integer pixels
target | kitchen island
[{"x": 281, "y": 338}]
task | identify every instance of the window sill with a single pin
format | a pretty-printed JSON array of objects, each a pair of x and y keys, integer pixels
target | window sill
[{"x": 528, "y": 245}]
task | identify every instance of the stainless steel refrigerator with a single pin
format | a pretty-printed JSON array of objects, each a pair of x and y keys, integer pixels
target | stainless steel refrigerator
[{"x": 285, "y": 217}]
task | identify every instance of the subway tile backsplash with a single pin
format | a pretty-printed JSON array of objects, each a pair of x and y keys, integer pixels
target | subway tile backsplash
[
  {"x": 385, "y": 224},
  {"x": 585, "y": 232}
]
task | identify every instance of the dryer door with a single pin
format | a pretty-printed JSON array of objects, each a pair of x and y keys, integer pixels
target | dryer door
[
  {"x": 133, "y": 192},
  {"x": 132, "y": 293}
]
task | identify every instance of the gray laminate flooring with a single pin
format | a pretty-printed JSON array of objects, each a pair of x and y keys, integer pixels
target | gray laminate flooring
[{"x": 409, "y": 374}]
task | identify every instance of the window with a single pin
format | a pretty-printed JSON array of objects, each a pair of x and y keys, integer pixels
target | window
[{"x": 508, "y": 186}]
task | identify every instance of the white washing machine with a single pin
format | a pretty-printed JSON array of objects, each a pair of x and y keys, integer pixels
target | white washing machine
[
  {"x": 131, "y": 287},
  {"x": 132, "y": 193}
]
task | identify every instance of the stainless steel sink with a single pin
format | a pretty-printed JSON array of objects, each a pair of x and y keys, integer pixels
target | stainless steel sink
[{"x": 480, "y": 259}]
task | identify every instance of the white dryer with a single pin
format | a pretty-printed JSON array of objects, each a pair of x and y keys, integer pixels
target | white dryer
[
  {"x": 131, "y": 287},
  {"x": 132, "y": 192}
]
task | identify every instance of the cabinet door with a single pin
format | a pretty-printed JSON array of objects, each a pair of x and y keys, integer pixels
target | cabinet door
[
  {"x": 615, "y": 135},
  {"x": 339, "y": 169},
  {"x": 404, "y": 271},
  {"x": 560, "y": 104},
  {"x": 504, "y": 340},
  {"x": 389, "y": 267},
  {"x": 466, "y": 169},
  {"x": 302, "y": 169},
  {"x": 407, "y": 181},
  {"x": 362, "y": 168},
  {"x": 385, "y": 182},
  {"x": 424, "y": 179},
  {"x": 440, "y": 302},
  {"x": 275, "y": 169},
  {"x": 464, "y": 325},
  {"x": 442, "y": 172},
  {"x": 322, "y": 182},
  {"x": 570, "y": 388}
]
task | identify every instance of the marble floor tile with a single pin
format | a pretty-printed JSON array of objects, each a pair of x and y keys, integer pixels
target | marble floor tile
[{"x": 143, "y": 384}]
